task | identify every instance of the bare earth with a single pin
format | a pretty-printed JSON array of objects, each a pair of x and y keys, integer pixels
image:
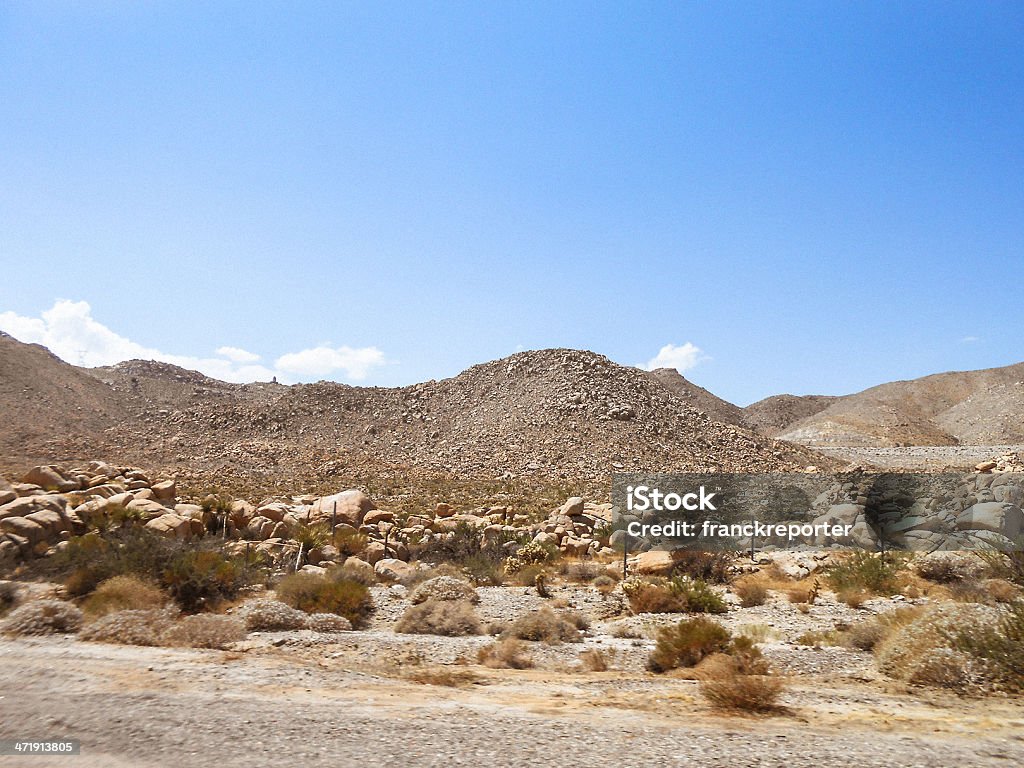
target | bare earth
[{"x": 273, "y": 706}]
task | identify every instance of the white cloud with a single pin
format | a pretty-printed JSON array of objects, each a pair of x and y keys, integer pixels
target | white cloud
[
  {"x": 320, "y": 362},
  {"x": 69, "y": 331},
  {"x": 969, "y": 339},
  {"x": 236, "y": 355},
  {"x": 682, "y": 358}
]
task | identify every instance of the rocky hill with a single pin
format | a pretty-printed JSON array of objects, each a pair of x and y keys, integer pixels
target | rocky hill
[
  {"x": 970, "y": 407},
  {"x": 773, "y": 415},
  {"x": 698, "y": 397},
  {"x": 552, "y": 413}
]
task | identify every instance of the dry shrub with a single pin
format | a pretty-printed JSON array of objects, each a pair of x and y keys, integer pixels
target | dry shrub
[
  {"x": 580, "y": 572},
  {"x": 936, "y": 649},
  {"x": 451, "y": 618},
  {"x": 999, "y": 648},
  {"x": 446, "y": 676},
  {"x": 709, "y": 567},
  {"x": 731, "y": 689},
  {"x": 604, "y": 584},
  {"x": 420, "y": 575},
  {"x": 686, "y": 643},
  {"x": 678, "y": 595},
  {"x": 314, "y": 593},
  {"x": 1002, "y": 591},
  {"x": 751, "y": 592},
  {"x": 508, "y": 653},
  {"x": 444, "y": 588},
  {"x": 204, "y": 630},
  {"x": 42, "y": 617},
  {"x": 595, "y": 660},
  {"x": 799, "y": 594},
  {"x": 547, "y": 626},
  {"x": 949, "y": 567},
  {"x": 8, "y": 596},
  {"x": 328, "y": 622},
  {"x": 131, "y": 627},
  {"x": 968, "y": 591},
  {"x": 349, "y": 572},
  {"x": 270, "y": 616},
  {"x": 623, "y": 630},
  {"x": 852, "y": 597},
  {"x": 123, "y": 593}
]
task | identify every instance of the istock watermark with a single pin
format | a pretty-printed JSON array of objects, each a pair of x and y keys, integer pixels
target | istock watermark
[{"x": 857, "y": 510}]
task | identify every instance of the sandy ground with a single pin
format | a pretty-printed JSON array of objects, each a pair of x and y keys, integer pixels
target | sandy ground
[{"x": 351, "y": 704}]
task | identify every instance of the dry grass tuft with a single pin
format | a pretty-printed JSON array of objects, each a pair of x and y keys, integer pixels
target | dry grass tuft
[
  {"x": 547, "y": 626},
  {"x": 42, "y": 617},
  {"x": 508, "y": 653},
  {"x": 123, "y": 593}
]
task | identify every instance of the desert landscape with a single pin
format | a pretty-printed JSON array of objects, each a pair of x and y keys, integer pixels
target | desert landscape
[{"x": 324, "y": 574}]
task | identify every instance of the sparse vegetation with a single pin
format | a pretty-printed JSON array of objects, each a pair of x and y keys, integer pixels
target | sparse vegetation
[
  {"x": 271, "y": 615},
  {"x": 676, "y": 595},
  {"x": 866, "y": 571},
  {"x": 204, "y": 630},
  {"x": 708, "y": 567},
  {"x": 595, "y": 660}
]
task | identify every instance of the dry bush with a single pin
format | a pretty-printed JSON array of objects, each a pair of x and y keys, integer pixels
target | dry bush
[
  {"x": 934, "y": 649},
  {"x": 8, "y": 596},
  {"x": 596, "y": 660},
  {"x": 348, "y": 572},
  {"x": 204, "y": 630},
  {"x": 420, "y": 575},
  {"x": 686, "y": 643},
  {"x": 271, "y": 615},
  {"x": 732, "y": 689},
  {"x": 678, "y": 595},
  {"x": 547, "y": 626},
  {"x": 968, "y": 591},
  {"x": 444, "y": 588},
  {"x": 757, "y": 633},
  {"x": 451, "y": 618},
  {"x": 604, "y": 584},
  {"x": 42, "y": 617},
  {"x": 751, "y": 592},
  {"x": 580, "y": 572},
  {"x": 948, "y": 567},
  {"x": 508, "y": 653},
  {"x": 446, "y": 676},
  {"x": 1001, "y": 590},
  {"x": 131, "y": 627},
  {"x": 623, "y": 630},
  {"x": 123, "y": 593},
  {"x": 327, "y": 622},
  {"x": 852, "y": 597},
  {"x": 313, "y": 593},
  {"x": 709, "y": 567},
  {"x": 999, "y": 648}
]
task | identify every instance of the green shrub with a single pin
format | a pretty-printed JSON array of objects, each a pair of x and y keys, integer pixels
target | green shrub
[
  {"x": 314, "y": 593},
  {"x": 451, "y": 618},
  {"x": 687, "y": 643},
  {"x": 678, "y": 595},
  {"x": 875, "y": 573},
  {"x": 202, "y": 578}
]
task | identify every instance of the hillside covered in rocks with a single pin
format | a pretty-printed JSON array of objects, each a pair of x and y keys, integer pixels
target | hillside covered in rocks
[{"x": 551, "y": 413}]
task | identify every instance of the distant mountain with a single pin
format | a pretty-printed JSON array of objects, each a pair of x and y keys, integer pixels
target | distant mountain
[
  {"x": 968, "y": 407},
  {"x": 698, "y": 397}
]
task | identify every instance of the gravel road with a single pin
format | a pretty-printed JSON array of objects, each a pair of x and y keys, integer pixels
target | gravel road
[{"x": 163, "y": 708}]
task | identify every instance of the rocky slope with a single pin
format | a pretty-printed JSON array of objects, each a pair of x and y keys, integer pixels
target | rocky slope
[
  {"x": 773, "y": 415},
  {"x": 552, "y": 413},
  {"x": 971, "y": 407},
  {"x": 698, "y": 397}
]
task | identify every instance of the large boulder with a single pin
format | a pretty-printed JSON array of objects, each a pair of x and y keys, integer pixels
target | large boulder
[
  {"x": 655, "y": 562},
  {"x": 347, "y": 507},
  {"x": 165, "y": 490},
  {"x": 50, "y": 478},
  {"x": 22, "y": 526},
  {"x": 392, "y": 569},
  {"x": 172, "y": 526},
  {"x": 7, "y": 492},
  {"x": 995, "y": 516}
]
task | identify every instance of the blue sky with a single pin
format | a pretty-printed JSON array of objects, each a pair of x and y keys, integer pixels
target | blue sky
[{"x": 818, "y": 196}]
